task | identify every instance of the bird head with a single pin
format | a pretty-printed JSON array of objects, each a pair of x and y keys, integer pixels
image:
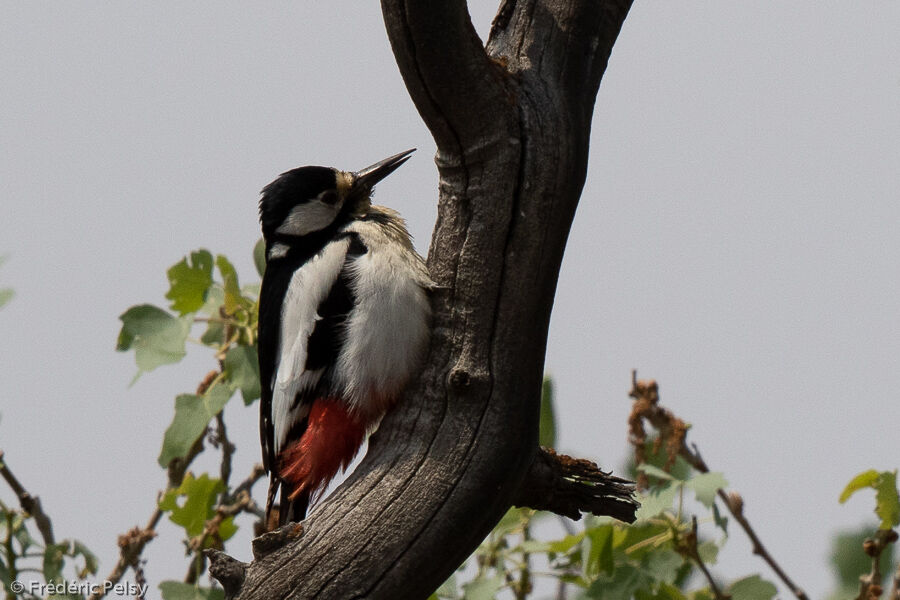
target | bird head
[{"x": 307, "y": 200}]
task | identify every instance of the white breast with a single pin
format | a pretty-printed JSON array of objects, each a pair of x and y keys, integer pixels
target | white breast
[{"x": 388, "y": 329}]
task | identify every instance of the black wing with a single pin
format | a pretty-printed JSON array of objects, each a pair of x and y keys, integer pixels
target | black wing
[
  {"x": 324, "y": 343},
  {"x": 274, "y": 285}
]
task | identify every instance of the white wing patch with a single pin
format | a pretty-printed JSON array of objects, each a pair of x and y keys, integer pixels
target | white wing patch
[{"x": 309, "y": 286}]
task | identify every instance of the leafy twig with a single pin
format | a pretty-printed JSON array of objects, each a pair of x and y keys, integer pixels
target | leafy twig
[
  {"x": 132, "y": 543},
  {"x": 672, "y": 432},
  {"x": 30, "y": 504},
  {"x": 524, "y": 586},
  {"x": 242, "y": 503}
]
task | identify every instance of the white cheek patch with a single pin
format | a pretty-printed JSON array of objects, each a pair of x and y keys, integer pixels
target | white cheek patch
[{"x": 310, "y": 216}]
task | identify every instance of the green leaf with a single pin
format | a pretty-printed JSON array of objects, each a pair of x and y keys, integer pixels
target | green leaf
[
  {"x": 215, "y": 298},
  {"x": 668, "y": 591},
  {"x": 655, "y": 472},
  {"x": 54, "y": 558},
  {"x": 192, "y": 414},
  {"x": 547, "y": 437},
  {"x": 200, "y": 495},
  {"x": 242, "y": 371},
  {"x": 657, "y": 501},
  {"x": 701, "y": 594},
  {"x": 156, "y": 336},
  {"x": 227, "y": 529},
  {"x": 863, "y": 480},
  {"x": 600, "y": 557},
  {"x": 709, "y": 552},
  {"x": 175, "y": 590},
  {"x": 705, "y": 487},
  {"x": 664, "y": 565},
  {"x": 90, "y": 559},
  {"x": 259, "y": 256},
  {"x": 5, "y": 576},
  {"x": 887, "y": 500},
  {"x": 232, "y": 288},
  {"x": 720, "y": 519},
  {"x": 510, "y": 521},
  {"x": 20, "y": 533},
  {"x": 214, "y": 335},
  {"x": 622, "y": 584},
  {"x": 565, "y": 544},
  {"x": 482, "y": 588},
  {"x": 753, "y": 587},
  {"x": 188, "y": 283}
]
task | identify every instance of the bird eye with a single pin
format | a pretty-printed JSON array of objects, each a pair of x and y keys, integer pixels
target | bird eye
[{"x": 329, "y": 197}]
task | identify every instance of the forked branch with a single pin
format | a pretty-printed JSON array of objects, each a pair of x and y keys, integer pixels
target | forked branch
[{"x": 512, "y": 122}]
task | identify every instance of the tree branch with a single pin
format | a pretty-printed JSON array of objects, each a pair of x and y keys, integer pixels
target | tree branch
[
  {"x": 870, "y": 583},
  {"x": 30, "y": 504},
  {"x": 569, "y": 486},
  {"x": 687, "y": 547},
  {"x": 512, "y": 125}
]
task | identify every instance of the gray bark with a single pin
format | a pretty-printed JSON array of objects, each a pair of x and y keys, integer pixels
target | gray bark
[{"x": 511, "y": 121}]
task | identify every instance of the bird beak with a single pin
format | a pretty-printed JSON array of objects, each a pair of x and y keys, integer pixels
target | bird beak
[{"x": 366, "y": 179}]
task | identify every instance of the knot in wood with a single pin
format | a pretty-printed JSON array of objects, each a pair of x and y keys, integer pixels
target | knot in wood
[
  {"x": 229, "y": 571},
  {"x": 460, "y": 380}
]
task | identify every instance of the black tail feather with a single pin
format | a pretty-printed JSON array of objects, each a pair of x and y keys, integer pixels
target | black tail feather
[
  {"x": 292, "y": 511},
  {"x": 288, "y": 511}
]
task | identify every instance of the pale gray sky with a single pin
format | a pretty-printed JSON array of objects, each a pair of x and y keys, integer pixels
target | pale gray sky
[{"x": 737, "y": 238}]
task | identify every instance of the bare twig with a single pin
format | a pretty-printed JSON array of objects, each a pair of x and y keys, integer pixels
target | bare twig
[
  {"x": 687, "y": 546},
  {"x": 131, "y": 545},
  {"x": 256, "y": 473},
  {"x": 870, "y": 583},
  {"x": 221, "y": 440},
  {"x": 30, "y": 504},
  {"x": 672, "y": 432}
]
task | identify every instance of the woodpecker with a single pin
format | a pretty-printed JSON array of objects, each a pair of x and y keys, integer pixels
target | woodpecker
[{"x": 344, "y": 321}]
